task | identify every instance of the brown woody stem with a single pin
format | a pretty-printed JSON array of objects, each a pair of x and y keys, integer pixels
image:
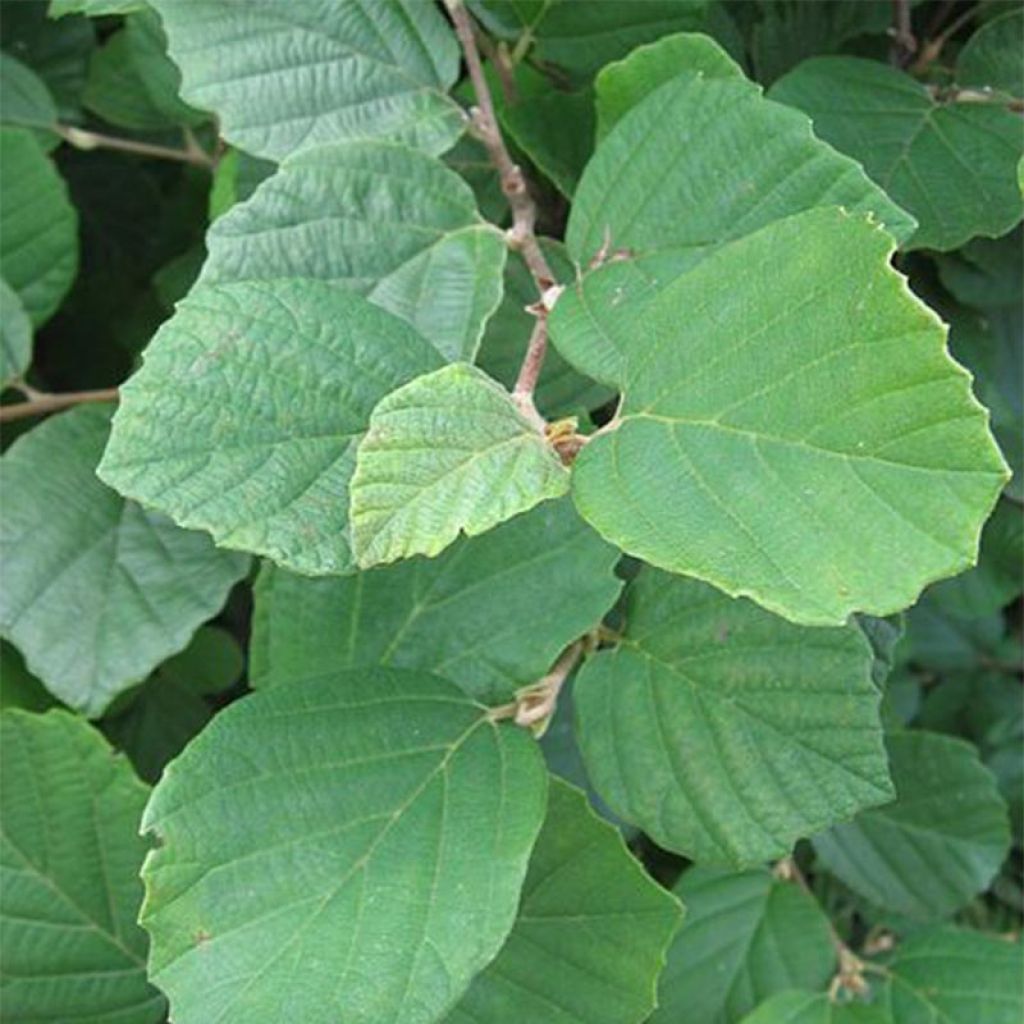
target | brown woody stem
[
  {"x": 40, "y": 403},
  {"x": 81, "y": 139}
]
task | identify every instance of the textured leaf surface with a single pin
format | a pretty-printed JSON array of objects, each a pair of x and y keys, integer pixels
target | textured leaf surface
[
  {"x": 952, "y": 165},
  {"x": 391, "y": 223},
  {"x": 590, "y": 936},
  {"x": 807, "y": 442},
  {"x": 954, "y": 976},
  {"x": 491, "y": 613},
  {"x": 746, "y": 936},
  {"x": 246, "y": 414},
  {"x": 346, "y": 851},
  {"x": 991, "y": 58},
  {"x": 286, "y": 76},
  {"x": 38, "y": 225},
  {"x": 622, "y": 85},
  {"x": 69, "y": 860},
  {"x": 725, "y": 732},
  {"x": 15, "y": 335},
  {"x": 445, "y": 453},
  {"x": 941, "y": 841},
  {"x": 94, "y": 8},
  {"x": 97, "y": 591},
  {"x": 796, "y": 1007}
]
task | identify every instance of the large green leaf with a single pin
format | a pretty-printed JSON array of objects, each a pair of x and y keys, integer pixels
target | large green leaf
[
  {"x": 953, "y": 165},
  {"x": 94, "y": 8},
  {"x": 725, "y": 732},
  {"x": 390, "y": 222},
  {"x": 245, "y": 416},
  {"x": 15, "y": 335},
  {"x": 745, "y": 937},
  {"x": 133, "y": 83},
  {"x": 38, "y": 225},
  {"x": 795, "y": 1007},
  {"x": 952, "y": 976},
  {"x": 97, "y": 590},
  {"x": 491, "y": 613},
  {"x": 937, "y": 845},
  {"x": 806, "y": 441},
  {"x": 622, "y": 85},
  {"x": 345, "y": 851},
  {"x": 590, "y": 936},
  {"x": 991, "y": 59},
  {"x": 24, "y": 98},
  {"x": 447, "y": 452},
  {"x": 286, "y": 76},
  {"x": 69, "y": 861}
]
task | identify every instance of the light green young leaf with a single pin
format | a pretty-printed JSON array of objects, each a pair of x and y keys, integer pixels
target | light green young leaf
[
  {"x": 796, "y": 1007},
  {"x": 725, "y": 732},
  {"x": 24, "y": 98},
  {"x": 939, "y": 844},
  {"x": 38, "y": 226},
  {"x": 390, "y": 222},
  {"x": 746, "y": 936},
  {"x": 590, "y": 936},
  {"x": 15, "y": 335},
  {"x": 956, "y": 977},
  {"x": 97, "y": 591},
  {"x": 807, "y": 442},
  {"x": 561, "y": 391},
  {"x": 446, "y": 453},
  {"x": 991, "y": 58},
  {"x": 698, "y": 163},
  {"x": 133, "y": 83},
  {"x": 952, "y": 165},
  {"x": 491, "y": 613},
  {"x": 245, "y": 416},
  {"x": 622, "y": 85},
  {"x": 345, "y": 851},
  {"x": 285, "y": 76},
  {"x": 69, "y": 886}
]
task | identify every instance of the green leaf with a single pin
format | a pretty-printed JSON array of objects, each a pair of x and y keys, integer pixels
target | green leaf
[
  {"x": 952, "y": 165},
  {"x": 24, "y": 98},
  {"x": 941, "y": 841},
  {"x": 97, "y": 591},
  {"x": 245, "y": 416},
  {"x": 392, "y": 223},
  {"x": 815, "y": 1008},
  {"x": 956, "y": 977},
  {"x": 169, "y": 709},
  {"x": 746, "y": 936},
  {"x": 724, "y": 732},
  {"x": 18, "y": 687},
  {"x": 69, "y": 862},
  {"x": 561, "y": 390},
  {"x": 991, "y": 57},
  {"x": 133, "y": 83},
  {"x": 94, "y": 8},
  {"x": 810, "y": 445},
  {"x": 622, "y": 85},
  {"x": 283, "y": 77},
  {"x": 38, "y": 225},
  {"x": 447, "y": 452},
  {"x": 373, "y": 827},
  {"x": 491, "y": 613},
  {"x": 590, "y": 936},
  {"x": 15, "y": 335},
  {"x": 235, "y": 178},
  {"x": 943, "y": 641}
]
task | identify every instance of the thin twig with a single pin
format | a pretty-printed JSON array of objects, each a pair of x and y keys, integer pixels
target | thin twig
[
  {"x": 534, "y": 705},
  {"x": 904, "y": 43},
  {"x": 81, "y": 139},
  {"x": 41, "y": 403},
  {"x": 932, "y": 48},
  {"x": 513, "y": 183}
]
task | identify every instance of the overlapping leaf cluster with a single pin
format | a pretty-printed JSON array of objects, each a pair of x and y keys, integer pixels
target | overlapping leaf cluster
[{"x": 493, "y": 630}]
